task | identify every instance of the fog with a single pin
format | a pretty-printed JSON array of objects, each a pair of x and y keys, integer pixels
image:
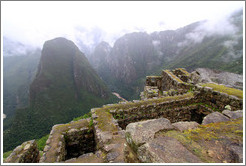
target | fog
[
  {"x": 32, "y": 23},
  {"x": 218, "y": 25}
]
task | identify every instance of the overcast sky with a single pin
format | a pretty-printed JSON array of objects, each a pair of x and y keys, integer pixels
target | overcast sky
[{"x": 35, "y": 22}]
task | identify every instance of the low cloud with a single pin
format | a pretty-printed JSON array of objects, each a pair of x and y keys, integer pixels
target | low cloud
[
  {"x": 217, "y": 26},
  {"x": 156, "y": 43}
]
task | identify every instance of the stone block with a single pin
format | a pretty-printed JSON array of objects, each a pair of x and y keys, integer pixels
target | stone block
[
  {"x": 233, "y": 114},
  {"x": 214, "y": 117},
  {"x": 181, "y": 126},
  {"x": 140, "y": 132}
]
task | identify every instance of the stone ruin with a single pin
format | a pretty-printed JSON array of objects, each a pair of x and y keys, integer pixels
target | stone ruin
[
  {"x": 174, "y": 122},
  {"x": 27, "y": 152}
]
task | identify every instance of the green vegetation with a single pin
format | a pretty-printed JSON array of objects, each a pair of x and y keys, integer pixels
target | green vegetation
[
  {"x": 105, "y": 120},
  {"x": 18, "y": 73},
  {"x": 225, "y": 89},
  {"x": 150, "y": 101},
  {"x": 6, "y": 154},
  {"x": 208, "y": 106},
  {"x": 85, "y": 116},
  {"x": 208, "y": 54},
  {"x": 217, "y": 131},
  {"x": 184, "y": 71},
  {"x": 91, "y": 122},
  {"x": 42, "y": 142}
]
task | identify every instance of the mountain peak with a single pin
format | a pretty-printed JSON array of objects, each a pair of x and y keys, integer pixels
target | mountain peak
[{"x": 65, "y": 86}]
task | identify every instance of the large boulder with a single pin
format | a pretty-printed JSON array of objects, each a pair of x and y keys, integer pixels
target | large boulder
[
  {"x": 214, "y": 117},
  {"x": 233, "y": 114},
  {"x": 181, "y": 126},
  {"x": 165, "y": 150},
  {"x": 140, "y": 132}
]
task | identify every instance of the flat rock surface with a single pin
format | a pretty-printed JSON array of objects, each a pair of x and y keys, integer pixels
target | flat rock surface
[
  {"x": 86, "y": 158},
  {"x": 237, "y": 152},
  {"x": 140, "y": 132},
  {"x": 181, "y": 126},
  {"x": 233, "y": 114},
  {"x": 214, "y": 117},
  {"x": 166, "y": 150}
]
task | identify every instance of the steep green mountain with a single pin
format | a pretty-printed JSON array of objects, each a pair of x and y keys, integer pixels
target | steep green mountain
[
  {"x": 20, "y": 63},
  {"x": 206, "y": 44},
  {"x": 65, "y": 86},
  {"x": 18, "y": 73}
]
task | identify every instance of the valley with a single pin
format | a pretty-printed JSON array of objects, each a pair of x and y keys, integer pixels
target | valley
[{"x": 119, "y": 97}]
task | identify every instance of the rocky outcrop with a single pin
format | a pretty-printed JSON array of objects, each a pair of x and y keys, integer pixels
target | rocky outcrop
[
  {"x": 27, "y": 152},
  {"x": 205, "y": 75}
]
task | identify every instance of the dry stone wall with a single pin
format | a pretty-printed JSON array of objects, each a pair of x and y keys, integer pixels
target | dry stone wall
[
  {"x": 154, "y": 81},
  {"x": 68, "y": 141},
  {"x": 175, "y": 80},
  {"x": 171, "y": 81},
  {"x": 177, "y": 110},
  {"x": 218, "y": 99},
  {"x": 79, "y": 142},
  {"x": 182, "y": 74}
]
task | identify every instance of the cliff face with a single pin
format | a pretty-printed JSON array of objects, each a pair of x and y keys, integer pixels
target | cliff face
[
  {"x": 132, "y": 56},
  {"x": 65, "y": 86}
]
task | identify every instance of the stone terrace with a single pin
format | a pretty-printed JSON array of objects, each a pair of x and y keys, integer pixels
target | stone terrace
[{"x": 182, "y": 107}]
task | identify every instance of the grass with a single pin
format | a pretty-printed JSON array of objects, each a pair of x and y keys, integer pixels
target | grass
[
  {"x": 6, "y": 154},
  {"x": 153, "y": 76},
  {"x": 149, "y": 101},
  {"x": 85, "y": 116},
  {"x": 104, "y": 121},
  {"x": 217, "y": 131},
  {"x": 173, "y": 76},
  {"x": 184, "y": 71},
  {"x": 42, "y": 142},
  {"x": 224, "y": 89}
]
